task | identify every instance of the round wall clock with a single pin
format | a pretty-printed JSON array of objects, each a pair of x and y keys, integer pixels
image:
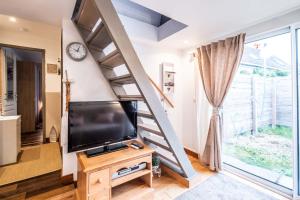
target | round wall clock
[{"x": 76, "y": 51}]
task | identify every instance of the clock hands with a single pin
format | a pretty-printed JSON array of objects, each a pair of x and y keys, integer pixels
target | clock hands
[{"x": 76, "y": 51}]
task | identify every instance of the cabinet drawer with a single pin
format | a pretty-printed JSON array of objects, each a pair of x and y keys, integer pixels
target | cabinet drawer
[
  {"x": 99, "y": 182},
  {"x": 99, "y": 196}
]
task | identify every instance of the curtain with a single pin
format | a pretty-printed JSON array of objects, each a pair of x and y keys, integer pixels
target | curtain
[{"x": 218, "y": 63}]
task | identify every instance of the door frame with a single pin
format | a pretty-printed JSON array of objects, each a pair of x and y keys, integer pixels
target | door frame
[
  {"x": 43, "y": 51},
  {"x": 296, "y": 104}
]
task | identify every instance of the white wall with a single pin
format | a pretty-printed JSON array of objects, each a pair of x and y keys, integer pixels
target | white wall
[
  {"x": 88, "y": 84},
  {"x": 152, "y": 58},
  {"x": 197, "y": 109},
  {"x": 184, "y": 116}
]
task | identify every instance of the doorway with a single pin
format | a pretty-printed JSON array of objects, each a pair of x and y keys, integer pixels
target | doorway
[
  {"x": 24, "y": 84},
  {"x": 258, "y": 113}
]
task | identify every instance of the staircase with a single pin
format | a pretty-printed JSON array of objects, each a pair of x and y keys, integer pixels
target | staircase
[{"x": 104, "y": 35}]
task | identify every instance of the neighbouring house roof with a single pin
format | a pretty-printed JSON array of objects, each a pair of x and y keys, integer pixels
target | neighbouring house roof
[{"x": 254, "y": 56}]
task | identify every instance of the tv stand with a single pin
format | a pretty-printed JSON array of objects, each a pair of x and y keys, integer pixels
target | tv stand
[
  {"x": 105, "y": 149},
  {"x": 95, "y": 179}
]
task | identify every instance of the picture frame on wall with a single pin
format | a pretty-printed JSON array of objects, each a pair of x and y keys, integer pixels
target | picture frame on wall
[{"x": 168, "y": 78}]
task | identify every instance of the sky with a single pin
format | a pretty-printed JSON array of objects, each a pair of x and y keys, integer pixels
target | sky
[{"x": 279, "y": 46}]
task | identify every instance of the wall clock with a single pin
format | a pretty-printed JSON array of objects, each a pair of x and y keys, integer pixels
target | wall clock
[{"x": 76, "y": 51}]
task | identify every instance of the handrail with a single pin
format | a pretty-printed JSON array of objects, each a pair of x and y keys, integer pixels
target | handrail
[{"x": 161, "y": 92}]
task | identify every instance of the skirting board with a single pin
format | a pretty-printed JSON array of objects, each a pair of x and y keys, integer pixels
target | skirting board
[
  {"x": 191, "y": 152},
  {"x": 184, "y": 181},
  {"x": 187, "y": 182}
]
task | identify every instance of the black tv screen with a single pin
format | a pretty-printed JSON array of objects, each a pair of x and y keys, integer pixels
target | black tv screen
[{"x": 93, "y": 124}]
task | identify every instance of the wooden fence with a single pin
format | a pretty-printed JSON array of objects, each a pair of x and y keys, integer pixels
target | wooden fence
[{"x": 255, "y": 101}]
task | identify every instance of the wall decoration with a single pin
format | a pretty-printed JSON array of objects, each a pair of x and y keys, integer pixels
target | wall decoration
[
  {"x": 68, "y": 91},
  {"x": 168, "y": 78},
  {"x": 53, "y": 135},
  {"x": 52, "y": 69}
]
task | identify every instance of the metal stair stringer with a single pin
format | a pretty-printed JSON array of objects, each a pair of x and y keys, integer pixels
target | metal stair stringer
[{"x": 121, "y": 40}]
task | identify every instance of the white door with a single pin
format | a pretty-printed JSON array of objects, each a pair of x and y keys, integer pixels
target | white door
[{"x": 9, "y": 81}]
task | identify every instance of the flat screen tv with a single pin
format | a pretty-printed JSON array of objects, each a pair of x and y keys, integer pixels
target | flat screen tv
[{"x": 95, "y": 124}]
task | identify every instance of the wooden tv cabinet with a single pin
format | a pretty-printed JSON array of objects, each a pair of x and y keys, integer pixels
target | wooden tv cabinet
[{"x": 95, "y": 174}]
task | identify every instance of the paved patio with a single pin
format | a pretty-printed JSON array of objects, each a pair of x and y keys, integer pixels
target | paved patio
[{"x": 274, "y": 177}]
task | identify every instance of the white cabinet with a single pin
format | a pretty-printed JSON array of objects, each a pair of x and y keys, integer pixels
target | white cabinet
[{"x": 10, "y": 139}]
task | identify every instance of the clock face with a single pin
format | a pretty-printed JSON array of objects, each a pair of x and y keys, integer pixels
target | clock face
[{"x": 76, "y": 51}]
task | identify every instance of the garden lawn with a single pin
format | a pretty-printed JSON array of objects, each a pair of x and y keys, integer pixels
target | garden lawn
[{"x": 270, "y": 148}]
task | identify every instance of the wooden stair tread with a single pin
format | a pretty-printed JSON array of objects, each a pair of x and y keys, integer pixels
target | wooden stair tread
[
  {"x": 146, "y": 114},
  {"x": 157, "y": 141},
  {"x": 112, "y": 60},
  {"x": 108, "y": 56},
  {"x": 150, "y": 128},
  {"x": 124, "y": 79},
  {"x": 166, "y": 155},
  {"x": 93, "y": 34},
  {"x": 131, "y": 97},
  {"x": 53, "y": 193},
  {"x": 19, "y": 196},
  {"x": 101, "y": 39},
  {"x": 36, "y": 185},
  {"x": 88, "y": 15},
  {"x": 8, "y": 189}
]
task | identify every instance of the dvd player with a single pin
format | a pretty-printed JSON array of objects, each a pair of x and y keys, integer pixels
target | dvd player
[{"x": 129, "y": 170}]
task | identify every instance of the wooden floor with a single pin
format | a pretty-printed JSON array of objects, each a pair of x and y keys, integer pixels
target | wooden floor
[
  {"x": 164, "y": 188},
  {"x": 32, "y": 138},
  {"x": 39, "y": 188},
  {"x": 34, "y": 161}
]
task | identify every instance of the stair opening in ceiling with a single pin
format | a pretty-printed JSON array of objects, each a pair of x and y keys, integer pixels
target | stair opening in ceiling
[{"x": 166, "y": 26}]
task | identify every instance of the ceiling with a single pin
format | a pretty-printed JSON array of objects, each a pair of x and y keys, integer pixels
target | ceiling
[
  {"x": 211, "y": 19},
  {"x": 48, "y": 11},
  {"x": 206, "y": 19},
  {"x": 27, "y": 27}
]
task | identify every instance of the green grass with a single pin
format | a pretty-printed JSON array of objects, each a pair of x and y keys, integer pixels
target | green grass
[
  {"x": 257, "y": 154},
  {"x": 261, "y": 157},
  {"x": 283, "y": 131}
]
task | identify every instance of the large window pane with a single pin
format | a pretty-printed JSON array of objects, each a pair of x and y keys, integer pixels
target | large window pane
[{"x": 258, "y": 112}]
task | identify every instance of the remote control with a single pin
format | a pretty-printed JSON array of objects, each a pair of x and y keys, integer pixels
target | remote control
[
  {"x": 137, "y": 145},
  {"x": 133, "y": 146}
]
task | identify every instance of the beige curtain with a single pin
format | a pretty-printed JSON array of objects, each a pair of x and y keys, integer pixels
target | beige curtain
[{"x": 218, "y": 63}]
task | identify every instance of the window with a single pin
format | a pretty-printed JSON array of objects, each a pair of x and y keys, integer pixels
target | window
[{"x": 258, "y": 109}]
